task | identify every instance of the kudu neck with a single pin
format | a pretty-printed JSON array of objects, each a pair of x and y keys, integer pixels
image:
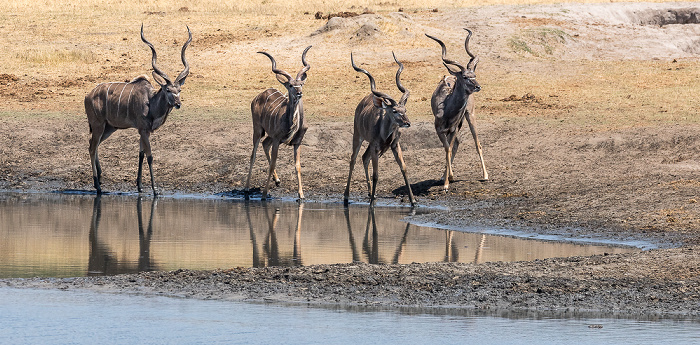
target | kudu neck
[{"x": 159, "y": 106}]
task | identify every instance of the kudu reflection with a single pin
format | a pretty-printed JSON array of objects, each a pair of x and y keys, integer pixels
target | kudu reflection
[
  {"x": 271, "y": 255},
  {"x": 452, "y": 249},
  {"x": 370, "y": 241},
  {"x": 103, "y": 261}
]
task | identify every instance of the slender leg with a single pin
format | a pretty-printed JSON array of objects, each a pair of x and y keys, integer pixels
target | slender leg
[
  {"x": 297, "y": 166},
  {"x": 450, "y": 157},
  {"x": 94, "y": 162},
  {"x": 146, "y": 146},
  {"x": 448, "y": 154},
  {"x": 256, "y": 140},
  {"x": 365, "y": 162},
  {"x": 355, "y": 150},
  {"x": 139, "y": 186},
  {"x": 273, "y": 162},
  {"x": 375, "y": 177},
  {"x": 398, "y": 155},
  {"x": 267, "y": 143},
  {"x": 107, "y": 132},
  {"x": 472, "y": 127}
]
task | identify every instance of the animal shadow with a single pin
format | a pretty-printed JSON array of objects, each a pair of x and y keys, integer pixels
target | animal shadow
[{"x": 421, "y": 188}]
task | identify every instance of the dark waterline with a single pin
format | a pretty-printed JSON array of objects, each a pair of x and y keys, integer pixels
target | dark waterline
[{"x": 58, "y": 235}]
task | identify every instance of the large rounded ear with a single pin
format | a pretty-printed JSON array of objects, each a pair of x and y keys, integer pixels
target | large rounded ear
[
  {"x": 160, "y": 80},
  {"x": 452, "y": 70},
  {"x": 282, "y": 78},
  {"x": 379, "y": 102}
]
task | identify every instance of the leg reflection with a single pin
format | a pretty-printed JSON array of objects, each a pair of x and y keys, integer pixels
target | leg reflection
[
  {"x": 451, "y": 250},
  {"x": 257, "y": 260},
  {"x": 145, "y": 264},
  {"x": 402, "y": 244},
  {"x": 353, "y": 246},
  {"x": 100, "y": 258},
  {"x": 371, "y": 250},
  {"x": 480, "y": 249}
]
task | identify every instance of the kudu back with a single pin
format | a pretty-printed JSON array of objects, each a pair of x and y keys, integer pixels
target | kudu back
[
  {"x": 452, "y": 103},
  {"x": 280, "y": 118},
  {"x": 136, "y": 104},
  {"x": 378, "y": 118}
]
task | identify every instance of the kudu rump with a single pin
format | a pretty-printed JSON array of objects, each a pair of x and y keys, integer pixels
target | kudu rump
[
  {"x": 451, "y": 103},
  {"x": 136, "y": 104},
  {"x": 378, "y": 119},
  {"x": 282, "y": 119}
]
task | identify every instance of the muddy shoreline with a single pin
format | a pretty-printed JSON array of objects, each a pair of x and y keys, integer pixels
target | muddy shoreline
[{"x": 604, "y": 285}]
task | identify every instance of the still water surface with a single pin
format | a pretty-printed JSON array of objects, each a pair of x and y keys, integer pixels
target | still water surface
[
  {"x": 57, "y": 235},
  {"x": 81, "y": 317}
]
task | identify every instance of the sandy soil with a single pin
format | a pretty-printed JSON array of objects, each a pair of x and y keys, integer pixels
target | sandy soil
[{"x": 551, "y": 170}]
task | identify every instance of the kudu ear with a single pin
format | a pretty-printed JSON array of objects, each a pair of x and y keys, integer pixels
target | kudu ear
[
  {"x": 160, "y": 80},
  {"x": 452, "y": 71},
  {"x": 379, "y": 102},
  {"x": 282, "y": 79}
]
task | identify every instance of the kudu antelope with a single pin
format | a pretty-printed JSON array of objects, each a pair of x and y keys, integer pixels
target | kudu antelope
[
  {"x": 281, "y": 118},
  {"x": 451, "y": 103},
  {"x": 378, "y": 119},
  {"x": 136, "y": 104}
]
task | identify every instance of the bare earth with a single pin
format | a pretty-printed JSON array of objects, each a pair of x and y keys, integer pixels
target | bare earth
[{"x": 560, "y": 160}]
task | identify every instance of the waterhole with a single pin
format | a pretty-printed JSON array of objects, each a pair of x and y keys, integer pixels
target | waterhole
[{"x": 58, "y": 235}]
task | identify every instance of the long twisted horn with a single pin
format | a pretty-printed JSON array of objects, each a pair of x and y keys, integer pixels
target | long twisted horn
[
  {"x": 474, "y": 59},
  {"x": 406, "y": 93},
  {"x": 186, "y": 71},
  {"x": 444, "y": 54},
  {"x": 274, "y": 67},
  {"x": 306, "y": 64},
  {"x": 153, "y": 60},
  {"x": 371, "y": 83}
]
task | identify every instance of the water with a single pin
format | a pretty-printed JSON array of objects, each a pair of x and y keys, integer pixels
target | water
[
  {"x": 63, "y": 317},
  {"x": 56, "y": 235}
]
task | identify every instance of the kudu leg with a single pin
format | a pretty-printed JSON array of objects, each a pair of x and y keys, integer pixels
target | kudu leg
[
  {"x": 94, "y": 162},
  {"x": 273, "y": 162},
  {"x": 398, "y": 155},
  {"x": 146, "y": 150},
  {"x": 353, "y": 158},
  {"x": 366, "y": 157},
  {"x": 472, "y": 127},
  {"x": 297, "y": 167},
  {"x": 267, "y": 143},
  {"x": 109, "y": 130},
  {"x": 375, "y": 177},
  {"x": 256, "y": 141},
  {"x": 447, "y": 145}
]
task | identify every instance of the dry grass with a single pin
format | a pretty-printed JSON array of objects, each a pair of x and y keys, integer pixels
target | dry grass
[{"x": 64, "y": 48}]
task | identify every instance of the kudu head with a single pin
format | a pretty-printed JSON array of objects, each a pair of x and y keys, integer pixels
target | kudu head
[
  {"x": 465, "y": 76},
  {"x": 293, "y": 85},
  {"x": 396, "y": 111},
  {"x": 171, "y": 89}
]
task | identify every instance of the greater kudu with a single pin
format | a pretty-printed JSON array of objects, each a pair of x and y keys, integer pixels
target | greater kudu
[
  {"x": 378, "y": 119},
  {"x": 451, "y": 103},
  {"x": 136, "y": 104},
  {"x": 281, "y": 117}
]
